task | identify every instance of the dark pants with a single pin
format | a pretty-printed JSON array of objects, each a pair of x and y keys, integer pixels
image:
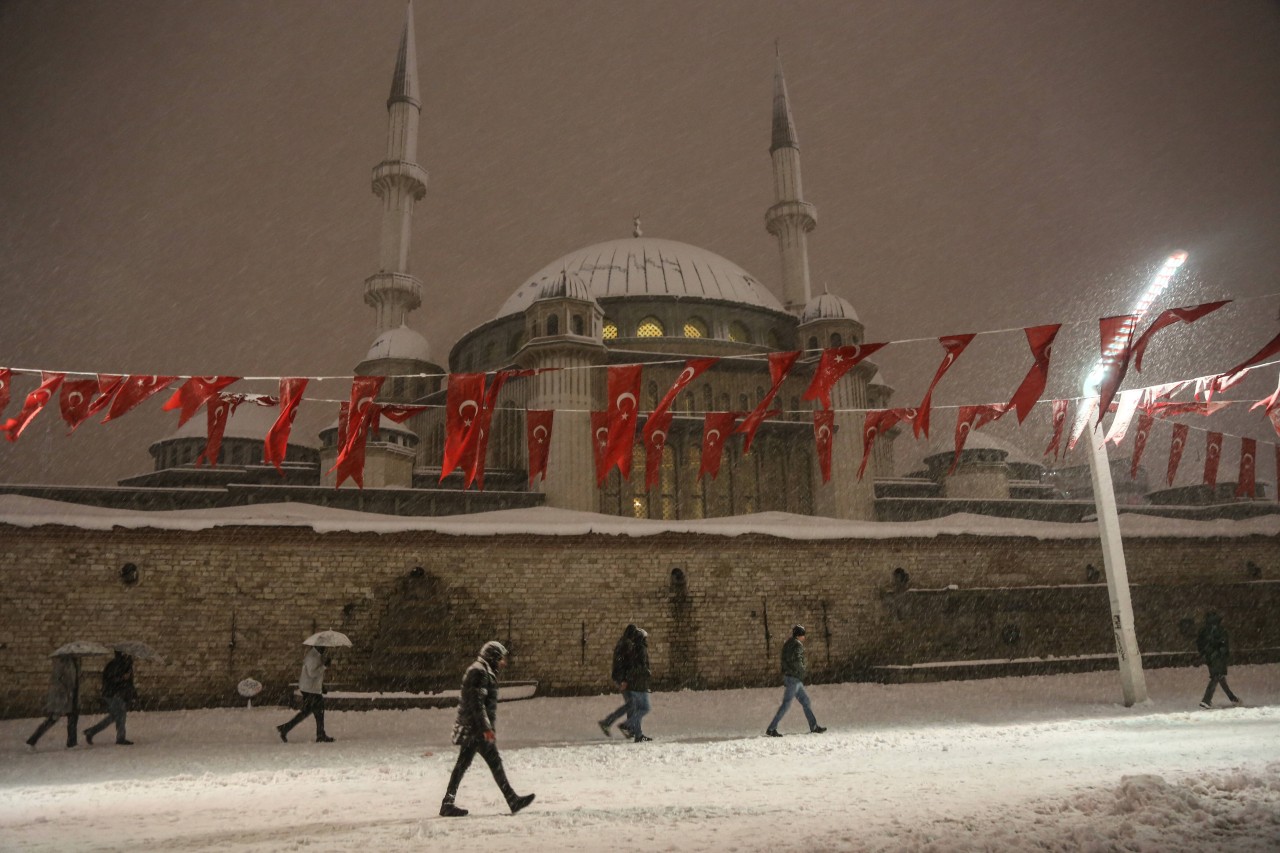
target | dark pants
[
  {"x": 624, "y": 710},
  {"x": 117, "y": 710},
  {"x": 312, "y": 705},
  {"x": 489, "y": 752},
  {"x": 1214, "y": 681},
  {"x": 72, "y": 720}
]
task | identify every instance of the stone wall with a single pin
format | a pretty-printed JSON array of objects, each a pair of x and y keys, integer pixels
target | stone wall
[{"x": 235, "y": 602}]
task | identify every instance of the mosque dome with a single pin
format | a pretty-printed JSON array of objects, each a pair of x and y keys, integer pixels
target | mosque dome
[
  {"x": 249, "y": 421},
  {"x": 646, "y": 267},
  {"x": 401, "y": 342},
  {"x": 828, "y": 306},
  {"x": 564, "y": 286}
]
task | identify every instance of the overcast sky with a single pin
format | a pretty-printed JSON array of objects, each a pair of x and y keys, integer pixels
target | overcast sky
[{"x": 184, "y": 186}]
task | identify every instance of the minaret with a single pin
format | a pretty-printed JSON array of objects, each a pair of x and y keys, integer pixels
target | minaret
[
  {"x": 399, "y": 181},
  {"x": 791, "y": 217}
]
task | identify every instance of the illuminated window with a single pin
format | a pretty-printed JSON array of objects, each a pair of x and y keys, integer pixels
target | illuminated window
[
  {"x": 739, "y": 333},
  {"x": 695, "y": 328},
  {"x": 650, "y": 327},
  {"x": 610, "y": 331}
]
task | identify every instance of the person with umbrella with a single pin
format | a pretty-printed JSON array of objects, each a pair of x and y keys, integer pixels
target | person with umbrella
[
  {"x": 63, "y": 699},
  {"x": 118, "y": 693},
  {"x": 311, "y": 683}
]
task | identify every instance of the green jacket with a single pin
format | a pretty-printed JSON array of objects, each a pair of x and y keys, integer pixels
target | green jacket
[{"x": 793, "y": 659}]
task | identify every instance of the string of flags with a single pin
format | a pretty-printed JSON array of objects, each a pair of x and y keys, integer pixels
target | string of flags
[{"x": 472, "y": 397}]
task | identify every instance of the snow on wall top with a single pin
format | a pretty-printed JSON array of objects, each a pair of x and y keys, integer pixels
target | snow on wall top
[{"x": 26, "y": 512}]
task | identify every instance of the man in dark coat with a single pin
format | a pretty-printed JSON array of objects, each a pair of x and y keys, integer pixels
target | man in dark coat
[
  {"x": 118, "y": 693},
  {"x": 622, "y": 652},
  {"x": 635, "y": 686},
  {"x": 1215, "y": 648},
  {"x": 475, "y": 731},
  {"x": 794, "y": 671},
  {"x": 62, "y": 700}
]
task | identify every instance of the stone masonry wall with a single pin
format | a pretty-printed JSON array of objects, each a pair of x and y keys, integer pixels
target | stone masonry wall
[{"x": 231, "y": 603}]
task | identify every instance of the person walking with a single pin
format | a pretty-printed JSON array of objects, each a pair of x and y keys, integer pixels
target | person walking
[
  {"x": 118, "y": 693},
  {"x": 794, "y": 671},
  {"x": 622, "y": 651},
  {"x": 311, "y": 683},
  {"x": 1215, "y": 648},
  {"x": 635, "y": 686},
  {"x": 475, "y": 729},
  {"x": 62, "y": 700}
]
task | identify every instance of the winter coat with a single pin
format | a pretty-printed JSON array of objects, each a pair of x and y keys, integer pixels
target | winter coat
[
  {"x": 638, "y": 666},
  {"x": 1213, "y": 644},
  {"x": 117, "y": 679},
  {"x": 793, "y": 659},
  {"x": 622, "y": 654},
  {"x": 478, "y": 707},
  {"x": 64, "y": 687},
  {"x": 312, "y": 678}
]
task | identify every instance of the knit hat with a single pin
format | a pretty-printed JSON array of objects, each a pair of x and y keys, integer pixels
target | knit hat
[
  {"x": 797, "y": 631},
  {"x": 492, "y": 652}
]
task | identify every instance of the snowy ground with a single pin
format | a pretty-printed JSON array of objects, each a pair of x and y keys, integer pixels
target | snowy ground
[{"x": 1026, "y": 763}]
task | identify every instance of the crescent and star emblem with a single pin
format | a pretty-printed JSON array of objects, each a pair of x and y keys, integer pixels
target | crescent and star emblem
[
  {"x": 685, "y": 377},
  {"x": 75, "y": 398},
  {"x": 713, "y": 436},
  {"x": 540, "y": 433},
  {"x": 824, "y": 433},
  {"x": 468, "y": 404},
  {"x": 659, "y": 439},
  {"x": 627, "y": 395},
  {"x": 602, "y": 436}
]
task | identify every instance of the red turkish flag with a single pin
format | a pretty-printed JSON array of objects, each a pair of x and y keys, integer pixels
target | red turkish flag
[
  {"x": 133, "y": 391},
  {"x": 1040, "y": 339},
  {"x": 624, "y": 394},
  {"x": 599, "y": 441},
  {"x": 823, "y": 429},
  {"x": 1059, "y": 421},
  {"x": 1212, "y": 455},
  {"x": 1176, "y": 445},
  {"x": 693, "y": 368},
  {"x": 834, "y": 363},
  {"x": 1170, "y": 409},
  {"x": 1140, "y": 442},
  {"x": 193, "y": 394},
  {"x": 464, "y": 398},
  {"x": 1116, "y": 337},
  {"x": 780, "y": 364},
  {"x": 716, "y": 427},
  {"x": 473, "y": 460},
  {"x": 954, "y": 345},
  {"x": 1226, "y": 380},
  {"x": 400, "y": 414},
  {"x": 361, "y": 415},
  {"x": 971, "y": 418},
  {"x": 74, "y": 400},
  {"x": 655, "y": 441},
  {"x": 1271, "y": 409},
  {"x": 108, "y": 385},
  {"x": 31, "y": 407},
  {"x": 537, "y": 427},
  {"x": 878, "y": 422},
  {"x": 1246, "y": 483},
  {"x": 1168, "y": 318},
  {"x": 276, "y": 444},
  {"x": 6, "y": 379},
  {"x": 220, "y": 409}
]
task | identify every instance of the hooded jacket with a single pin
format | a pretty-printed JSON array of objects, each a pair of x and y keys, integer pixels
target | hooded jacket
[
  {"x": 793, "y": 663},
  {"x": 478, "y": 704},
  {"x": 622, "y": 654},
  {"x": 638, "y": 664},
  {"x": 1214, "y": 645}
]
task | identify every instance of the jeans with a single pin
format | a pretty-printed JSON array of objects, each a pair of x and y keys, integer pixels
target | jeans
[
  {"x": 72, "y": 719},
  {"x": 793, "y": 688},
  {"x": 639, "y": 704},
  {"x": 489, "y": 752},
  {"x": 624, "y": 710},
  {"x": 312, "y": 705},
  {"x": 117, "y": 710},
  {"x": 1214, "y": 681}
]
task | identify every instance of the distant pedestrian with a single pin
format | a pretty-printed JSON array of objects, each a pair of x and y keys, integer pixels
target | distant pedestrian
[
  {"x": 118, "y": 693},
  {"x": 1215, "y": 648},
  {"x": 63, "y": 699},
  {"x": 794, "y": 671},
  {"x": 636, "y": 686},
  {"x": 622, "y": 651},
  {"x": 475, "y": 729},
  {"x": 311, "y": 684}
]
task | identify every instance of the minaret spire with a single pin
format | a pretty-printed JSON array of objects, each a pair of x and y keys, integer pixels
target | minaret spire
[
  {"x": 791, "y": 217},
  {"x": 399, "y": 181}
]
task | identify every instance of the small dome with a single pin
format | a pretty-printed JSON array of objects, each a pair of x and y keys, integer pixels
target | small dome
[
  {"x": 878, "y": 379},
  {"x": 564, "y": 286},
  {"x": 828, "y": 306},
  {"x": 401, "y": 342},
  {"x": 249, "y": 421}
]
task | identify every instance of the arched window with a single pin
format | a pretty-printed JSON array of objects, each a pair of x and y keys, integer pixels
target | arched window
[
  {"x": 707, "y": 404},
  {"x": 553, "y": 325},
  {"x": 694, "y": 327},
  {"x": 836, "y": 340},
  {"x": 650, "y": 327},
  {"x": 575, "y": 323},
  {"x": 610, "y": 330},
  {"x": 772, "y": 339},
  {"x": 652, "y": 400},
  {"x": 759, "y": 394},
  {"x": 813, "y": 343},
  {"x": 739, "y": 333},
  {"x": 744, "y": 404}
]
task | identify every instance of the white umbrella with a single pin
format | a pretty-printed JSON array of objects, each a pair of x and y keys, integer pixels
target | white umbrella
[
  {"x": 327, "y": 639},
  {"x": 80, "y": 648},
  {"x": 140, "y": 650}
]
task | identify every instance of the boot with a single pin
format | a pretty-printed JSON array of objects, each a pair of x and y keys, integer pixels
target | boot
[
  {"x": 517, "y": 803},
  {"x": 448, "y": 809},
  {"x": 284, "y": 733}
]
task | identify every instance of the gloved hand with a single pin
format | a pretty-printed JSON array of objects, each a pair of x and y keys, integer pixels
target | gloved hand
[{"x": 489, "y": 735}]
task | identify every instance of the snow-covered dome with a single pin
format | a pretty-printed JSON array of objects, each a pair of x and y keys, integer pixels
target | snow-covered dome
[
  {"x": 249, "y": 421},
  {"x": 401, "y": 342},
  {"x": 942, "y": 441},
  {"x": 828, "y": 306},
  {"x": 647, "y": 267},
  {"x": 564, "y": 285}
]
